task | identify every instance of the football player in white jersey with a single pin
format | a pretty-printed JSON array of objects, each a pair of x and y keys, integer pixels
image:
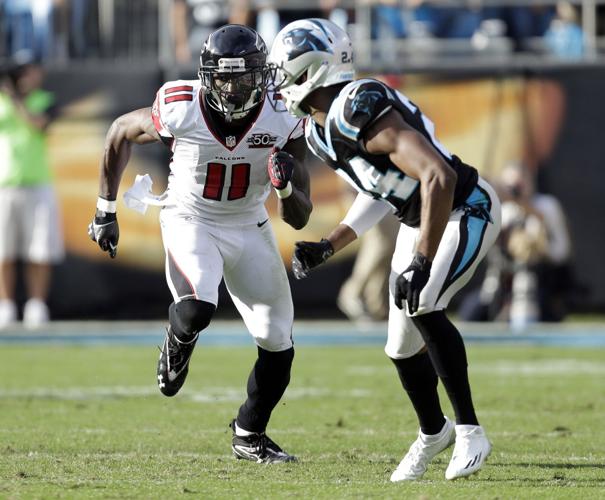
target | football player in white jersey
[
  {"x": 380, "y": 142},
  {"x": 229, "y": 146}
]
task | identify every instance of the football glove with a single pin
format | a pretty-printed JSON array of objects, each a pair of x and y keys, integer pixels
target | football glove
[
  {"x": 308, "y": 254},
  {"x": 280, "y": 167},
  {"x": 105, "y": 231},
  {"x": 408, "y": 289}
]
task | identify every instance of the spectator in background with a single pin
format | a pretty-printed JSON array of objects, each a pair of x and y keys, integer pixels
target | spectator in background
[
  {"x": 29, "y": 220},
  {"x": 448, "y": 22},
  {"x": 564, "y": 37},
  {"x": 192, "y": 23},
  {"x": 364, "y": 296},
  {"x": 529, "y": 271},
  {"x": 28, "y": 25},
  {"x": 269, "y": 16}
]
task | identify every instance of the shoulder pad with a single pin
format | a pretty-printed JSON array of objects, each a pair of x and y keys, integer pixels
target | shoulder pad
[
  {"x": 170, "y": 109},
  {"x": 361, "y": 104}
]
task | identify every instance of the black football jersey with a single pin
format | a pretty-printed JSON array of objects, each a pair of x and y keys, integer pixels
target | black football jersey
[{"x": 340, "y": 145}]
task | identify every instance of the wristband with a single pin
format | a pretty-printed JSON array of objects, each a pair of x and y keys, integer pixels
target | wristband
[
  {"x": 284, "y": 193},
  {"x": 106, "y": 206}
]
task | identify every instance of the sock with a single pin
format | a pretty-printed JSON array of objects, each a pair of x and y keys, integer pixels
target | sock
[
  {"x": 448, "y": 355},
  {"x": 419, "y": 380},
  {"x": 242, "y": 432},
  {"x": 266, "y": 385}
]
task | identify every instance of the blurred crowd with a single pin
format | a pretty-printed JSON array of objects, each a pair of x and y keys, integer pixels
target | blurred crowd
[
  {"x": 71, "y": 29},
  {"x": 528, "y": 274}
]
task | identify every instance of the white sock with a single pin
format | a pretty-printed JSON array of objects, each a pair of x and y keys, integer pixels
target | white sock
[{"x": 242, "y": 432}]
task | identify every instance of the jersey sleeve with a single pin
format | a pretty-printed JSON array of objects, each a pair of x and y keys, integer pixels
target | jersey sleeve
[
  {"x": 359, "y": 108},
  {"x": 170, "y": 108}
]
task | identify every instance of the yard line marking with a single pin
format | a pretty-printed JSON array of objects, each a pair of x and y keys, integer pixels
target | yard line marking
[
  {"x": 214, "y": 395},
  {"x": 538, "y": 367},
  {"x": 509, "y": 367}
]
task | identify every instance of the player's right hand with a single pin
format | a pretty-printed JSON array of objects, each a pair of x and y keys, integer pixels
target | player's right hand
[
  {"x": 280, "y": 168},
  {"x": 105, "y": 231},
  {"x": 309, "y": 254}
]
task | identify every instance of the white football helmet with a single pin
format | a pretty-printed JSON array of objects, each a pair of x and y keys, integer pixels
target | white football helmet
[{"x": 308, "y": 54}]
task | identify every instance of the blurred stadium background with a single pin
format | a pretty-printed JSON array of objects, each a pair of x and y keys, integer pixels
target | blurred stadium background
[
  {"x": 487, "y": 72},
  {"x": 503, "y": 80}
]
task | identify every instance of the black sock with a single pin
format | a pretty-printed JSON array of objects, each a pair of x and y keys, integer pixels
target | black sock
[
  {"x": 447, "y": 352},
  {"x": 266, "y": 385},
  {"x": 419, "y": 380}
]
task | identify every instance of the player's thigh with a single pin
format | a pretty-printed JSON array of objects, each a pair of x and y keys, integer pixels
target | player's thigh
[
  {"x": 259, "y": 287},
  {"x": 194, "y": 265},
  {"x": 42, "y": 234},
  {"x": 464, "y": 244},
  {"x": 403, "y": 339}
]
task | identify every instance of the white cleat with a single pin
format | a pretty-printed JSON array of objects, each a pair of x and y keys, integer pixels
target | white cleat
[
  {"x": 471, "y": 450},
  {"x": 35, "y": 313},
  {"x": 423, "y": 450},
  {"x": 8, "y": 313}
]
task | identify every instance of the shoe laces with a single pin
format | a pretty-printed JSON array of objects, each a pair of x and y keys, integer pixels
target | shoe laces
[{"x": 177, "y": 351}]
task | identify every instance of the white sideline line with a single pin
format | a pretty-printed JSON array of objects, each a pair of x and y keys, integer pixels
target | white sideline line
[
  {"x": 539, "y": 367},
  {"x": 567, "y": 367},
  {"x": 215, "y": 395}
]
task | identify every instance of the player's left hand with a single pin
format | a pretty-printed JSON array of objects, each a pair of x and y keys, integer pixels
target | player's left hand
[
  {"x": 409, "y": 288},
  {"x": 280, "y": 167},
  {"x": 105, "y": 231},
  {"x": 310, "y": 254}
]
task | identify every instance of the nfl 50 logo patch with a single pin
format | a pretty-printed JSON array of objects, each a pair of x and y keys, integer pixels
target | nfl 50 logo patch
[{"x": 261, "y": 141}]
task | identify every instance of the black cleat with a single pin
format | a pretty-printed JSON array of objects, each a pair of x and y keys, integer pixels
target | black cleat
[
  {"x": 259, "y": 448},
  {"x": 173, "y": 364}
]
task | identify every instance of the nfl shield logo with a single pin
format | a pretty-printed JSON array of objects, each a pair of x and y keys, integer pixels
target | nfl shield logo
[{"x": 230, "y": 141}]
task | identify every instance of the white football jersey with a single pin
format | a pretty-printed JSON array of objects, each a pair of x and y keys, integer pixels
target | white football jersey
[{"x": 212, "y": 176}]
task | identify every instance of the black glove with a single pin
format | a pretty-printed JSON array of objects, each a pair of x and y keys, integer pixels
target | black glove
[
  {"x": 280, "y": 168},
  {"x": 309, "y": 254},
  {"x": 105, "y": 231},
  {"x": 409, "y": 288}
]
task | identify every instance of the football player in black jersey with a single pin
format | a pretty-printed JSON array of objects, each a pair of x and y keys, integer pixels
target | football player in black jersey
[{"x": 381, "y": 143}]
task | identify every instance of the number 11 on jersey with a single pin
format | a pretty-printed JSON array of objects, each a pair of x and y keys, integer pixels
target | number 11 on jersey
[{"x": 215, "y": 181}]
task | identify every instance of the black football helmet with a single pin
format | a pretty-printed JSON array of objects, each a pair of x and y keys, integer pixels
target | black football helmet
[{"x": 234, "y": 71}]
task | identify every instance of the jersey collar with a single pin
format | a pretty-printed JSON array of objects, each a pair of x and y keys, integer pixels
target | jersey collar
[{"x": 230, "y": 142}]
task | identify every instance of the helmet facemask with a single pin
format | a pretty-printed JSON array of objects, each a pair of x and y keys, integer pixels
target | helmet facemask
[
  {"x": 234, "y": 88},
  {"x": 294, "y": 87}
]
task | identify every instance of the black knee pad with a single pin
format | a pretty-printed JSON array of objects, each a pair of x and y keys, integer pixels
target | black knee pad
[{"x": 189, "y": 317}]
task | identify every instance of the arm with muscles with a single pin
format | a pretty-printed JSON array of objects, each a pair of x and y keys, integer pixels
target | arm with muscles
[
  {"x": 290, "y": 180},
  {"x": 415, "y": 156},
  {"x": 363, "y": 214},
  {"x": 135, "y": 127}
]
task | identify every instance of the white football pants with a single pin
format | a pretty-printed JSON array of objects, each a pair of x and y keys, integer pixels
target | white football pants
[
  {"x": 200, "y": 252},
  {"x": 465, "y": 241}
]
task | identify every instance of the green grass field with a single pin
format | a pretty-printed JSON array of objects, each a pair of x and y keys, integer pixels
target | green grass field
[{"x": 89, "y": 422}]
